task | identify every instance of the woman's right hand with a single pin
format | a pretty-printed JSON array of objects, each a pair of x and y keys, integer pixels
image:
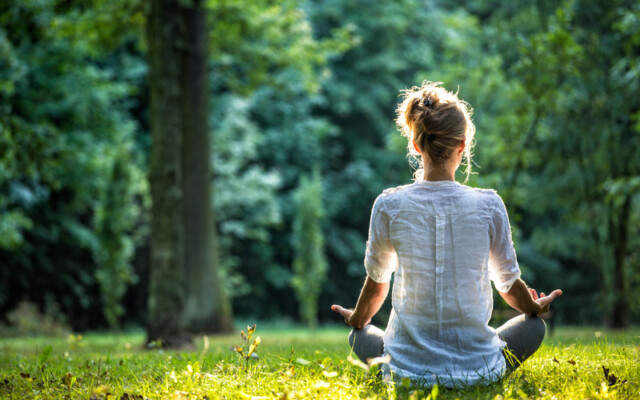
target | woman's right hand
[
  {"x": 543, "y": 300},
  {"x": 347, "y": 314}
]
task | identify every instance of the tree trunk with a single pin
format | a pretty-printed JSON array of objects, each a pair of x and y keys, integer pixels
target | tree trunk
[
  {"x": 185, "y": 293},
  {"x": 167, "y": 298},
  {"x": 207, "y": 310},
  {"x": 619, "y": 223}
]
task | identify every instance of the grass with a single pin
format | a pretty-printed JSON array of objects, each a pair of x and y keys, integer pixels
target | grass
[{"x": 296, "y": 363}]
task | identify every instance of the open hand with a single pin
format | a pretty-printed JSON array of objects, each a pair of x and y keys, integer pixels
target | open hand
[
  {"x": 544, "y": 301},
  {"x": 346, "y": 314}
]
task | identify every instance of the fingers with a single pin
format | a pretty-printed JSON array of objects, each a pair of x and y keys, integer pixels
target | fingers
[
  {"x": 553, "y": 295},
  {"x": 556, "y": 293},
  {"x": 545, "y": 300},
  {"x": 337, "y": 308},
  {"x": 346, "y": 313}
]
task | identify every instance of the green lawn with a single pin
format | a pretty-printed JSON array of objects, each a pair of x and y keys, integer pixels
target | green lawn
[{"x": 296, "y": 363}]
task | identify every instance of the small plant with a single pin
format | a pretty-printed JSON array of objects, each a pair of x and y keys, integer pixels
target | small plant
[
  {"x": 75, "y": 342},
  {"x": 248, "y": 350}
]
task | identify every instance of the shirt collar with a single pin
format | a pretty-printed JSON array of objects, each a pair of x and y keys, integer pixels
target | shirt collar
[{"x": 437, "y": 183}]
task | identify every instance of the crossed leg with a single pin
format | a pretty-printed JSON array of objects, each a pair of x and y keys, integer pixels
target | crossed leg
[
  {"x": 367, "y": 342},
  {"x": 523, "y": 335}
]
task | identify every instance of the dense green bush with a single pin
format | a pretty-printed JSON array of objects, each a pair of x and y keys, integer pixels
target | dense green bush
[{"x": 71, "y": 184}]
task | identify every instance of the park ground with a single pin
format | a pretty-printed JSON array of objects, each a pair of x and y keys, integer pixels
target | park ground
[{"x": 293, "y": 363}]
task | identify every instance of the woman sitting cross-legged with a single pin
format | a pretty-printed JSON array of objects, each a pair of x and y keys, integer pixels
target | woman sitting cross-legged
[{"x": 445, "y": 242}]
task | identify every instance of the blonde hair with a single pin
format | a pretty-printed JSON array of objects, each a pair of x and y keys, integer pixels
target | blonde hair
[{"x": 438, "y": 122}]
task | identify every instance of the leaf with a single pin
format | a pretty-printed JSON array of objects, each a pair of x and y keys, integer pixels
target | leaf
[
  {"x": 555, "y": 360},
  {"x": 434, "y": 392},
  {"x": 611, "y": 378},
  {"x": 44, "y": 356},
  {"x": 238, "y": 350},
  {"x": 24, "y": 375},
  {"x": 69, "y": 379},
  {"x": 254, "y": 345},
  {"x": 406, "y": 382},
  {"x": 250, "y": 331},
  {"x": 571, "y": 362},
  {"x": 302, "y": 361}
]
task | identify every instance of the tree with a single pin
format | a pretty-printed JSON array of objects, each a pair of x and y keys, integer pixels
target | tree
[
  {"x": 573, "y": 179},
  {"x": 309, "y": 264},
  {"x": 185, "y": 294},
  {"x": 392, "y": 42},
  {"x": 267, "y": 74}
]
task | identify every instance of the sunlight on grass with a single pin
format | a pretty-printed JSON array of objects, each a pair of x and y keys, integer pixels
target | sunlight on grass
[{"x": 296, "y": 363}]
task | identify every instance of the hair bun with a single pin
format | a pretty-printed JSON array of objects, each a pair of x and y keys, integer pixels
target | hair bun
[{"x": 435, "y": 122}]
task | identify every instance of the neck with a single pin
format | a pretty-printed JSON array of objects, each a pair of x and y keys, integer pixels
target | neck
[
  {"x": 442, "y": 172},
  {"x": 440, "y": 176}
]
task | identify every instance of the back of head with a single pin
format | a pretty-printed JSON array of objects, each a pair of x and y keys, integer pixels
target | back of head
[{"x": 438, "y": 122}]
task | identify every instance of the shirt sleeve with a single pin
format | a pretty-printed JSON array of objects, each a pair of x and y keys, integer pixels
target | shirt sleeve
[
  {"x": 380, "y": 258},
  {"x": 503, "y": 264}
]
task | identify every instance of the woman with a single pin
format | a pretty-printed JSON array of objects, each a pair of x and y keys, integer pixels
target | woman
[{"x": 445, "y": 242}]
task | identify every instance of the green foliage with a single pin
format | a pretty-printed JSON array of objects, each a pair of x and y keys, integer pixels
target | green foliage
[
  {"x": 62, "y": 124},
  {"x": 392, "y": 40},
  {"x": 267, "y": 68},
  {"x": 100, "y": 26},
  {"x": 116, "y": 218},
  {"x": 309, "y": 264},
  {"x": 244, "y": 193},
  {"x": 547, "y": 90},
  {"x": 585, "y": 142},
  {"x": 267, "y": 42},
  {"x": 296, "y": 84},
  {"x": 27, "y": 320}
]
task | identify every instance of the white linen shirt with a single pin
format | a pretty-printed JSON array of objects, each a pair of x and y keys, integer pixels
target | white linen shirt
[{"x": 445, "y": 242}]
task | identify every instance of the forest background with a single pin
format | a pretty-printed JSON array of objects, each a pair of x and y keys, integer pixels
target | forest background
[{"x": 302, "y": 98}]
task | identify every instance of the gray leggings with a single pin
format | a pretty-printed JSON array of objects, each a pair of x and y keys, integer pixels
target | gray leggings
[{"x": 523, "y": 335}]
